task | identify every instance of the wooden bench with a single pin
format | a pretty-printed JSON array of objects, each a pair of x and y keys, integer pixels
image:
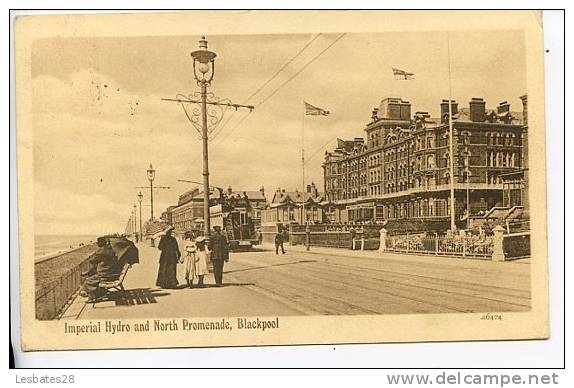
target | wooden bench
[{"x": 113, "y": 286}]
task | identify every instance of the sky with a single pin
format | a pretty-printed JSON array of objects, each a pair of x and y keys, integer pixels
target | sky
[{"x": 99, "y": 120}]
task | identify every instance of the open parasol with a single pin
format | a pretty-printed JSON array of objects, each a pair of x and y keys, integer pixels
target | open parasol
[{"x": 125, "y": 250}]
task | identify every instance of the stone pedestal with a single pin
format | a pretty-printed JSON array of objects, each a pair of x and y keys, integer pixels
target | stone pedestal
[
  {"x": 497, "y": 248},
  {"x": 383, "y": 240}
]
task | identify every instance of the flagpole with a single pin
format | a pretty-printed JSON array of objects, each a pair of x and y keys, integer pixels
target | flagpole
[
  {"x": 451, "y": 141},
  {"x": 303, "y": 218}
]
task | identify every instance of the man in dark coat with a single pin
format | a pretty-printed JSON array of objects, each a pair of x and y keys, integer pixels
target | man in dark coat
[
  {"x": 219, "y": 254},
  {"x": 279, "y": 238},
  {"x": 104, "y": 266}
]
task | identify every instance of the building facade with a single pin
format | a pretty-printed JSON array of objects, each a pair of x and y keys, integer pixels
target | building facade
[
  {"x": 166, "y": 216},
  {"x": 188, "y": 214},
  {"x": 402, "y": 170},
  {"x": 293, "y": 207}
]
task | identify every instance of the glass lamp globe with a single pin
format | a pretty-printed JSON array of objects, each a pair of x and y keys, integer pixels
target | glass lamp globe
[{"x": 203, "y": 67}]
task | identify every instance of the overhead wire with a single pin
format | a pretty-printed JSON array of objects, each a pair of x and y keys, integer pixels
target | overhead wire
[
  {"x": 276, "y": 90},
  {"x": 273, "y": 77},
  {"x": 308, "y": 159}
]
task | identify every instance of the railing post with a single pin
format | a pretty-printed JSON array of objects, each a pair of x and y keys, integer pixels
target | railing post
[
  {"x": 463, "y": 243},
  {"x": 498, "y": 241},
  {"x": 307, "y": 236},
  {"x": 383, "y": 240},
  {"x": 407, "y": 243},
  {"x": 363, "y": 241},
  {"x": 436, "y": 244}
]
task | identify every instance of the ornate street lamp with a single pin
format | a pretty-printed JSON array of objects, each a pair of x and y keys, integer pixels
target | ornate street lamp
[
  {"x": 203, "y": 63},
  {"x": 203, "y": 71},
  {"x": 212, "y": 111}
]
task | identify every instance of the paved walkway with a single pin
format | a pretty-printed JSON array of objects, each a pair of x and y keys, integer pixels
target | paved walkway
[
  {"x": 375, "y": 254},
  {"x": 323, "y": 281},
  {"x": 144, "y": 300}
]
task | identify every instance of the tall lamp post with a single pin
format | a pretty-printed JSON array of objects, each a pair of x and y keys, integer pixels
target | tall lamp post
[
  {"x": 140, "y": 198},
  {"x": 212, "y": 107},
  {"x": 203, "y": 71}
]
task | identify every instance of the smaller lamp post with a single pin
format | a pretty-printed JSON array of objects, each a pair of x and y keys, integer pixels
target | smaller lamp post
[
  {"x": 140, "y": 198},
  {"x": 151, "y": 177},
  {"x": 135, "y": 221}
]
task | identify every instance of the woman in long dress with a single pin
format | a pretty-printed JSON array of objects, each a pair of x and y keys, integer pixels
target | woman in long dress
[
  {"x": 188, "y": 260},
  {"x": 167, "y": 273}
]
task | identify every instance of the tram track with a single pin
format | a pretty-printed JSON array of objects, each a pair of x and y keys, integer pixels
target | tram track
[{"x": 329, "y": 278}]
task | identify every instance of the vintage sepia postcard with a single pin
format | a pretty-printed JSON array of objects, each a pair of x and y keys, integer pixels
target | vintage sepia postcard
[{"x": 244, "y": 178}]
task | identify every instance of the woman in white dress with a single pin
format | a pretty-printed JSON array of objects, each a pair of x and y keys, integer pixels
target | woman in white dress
[
  {"x": 195, "y": 261},
  {"x": 188, "y": 260}
]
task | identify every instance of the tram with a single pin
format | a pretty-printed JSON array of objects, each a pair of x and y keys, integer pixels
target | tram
[{"x": 237, "y": 225}]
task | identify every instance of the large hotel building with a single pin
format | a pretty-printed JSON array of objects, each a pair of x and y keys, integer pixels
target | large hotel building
[{"x": 400, "y": 170}]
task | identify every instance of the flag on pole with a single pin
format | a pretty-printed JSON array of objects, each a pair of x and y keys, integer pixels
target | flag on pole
[
  {"x": 402, "y": 75},
  {"x": 311, "y": 110}
]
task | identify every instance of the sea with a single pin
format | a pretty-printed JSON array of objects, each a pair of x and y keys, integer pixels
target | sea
[{"x": 49, "y": 244}]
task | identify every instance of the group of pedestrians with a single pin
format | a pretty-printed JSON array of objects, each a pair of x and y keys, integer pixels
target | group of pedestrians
[{"x": 197, "y": 253}]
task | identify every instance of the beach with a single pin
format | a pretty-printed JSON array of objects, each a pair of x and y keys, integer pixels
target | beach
[{"x": 48, "y": 245}]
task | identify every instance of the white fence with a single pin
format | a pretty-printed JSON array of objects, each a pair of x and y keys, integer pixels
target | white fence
[{"x": 463, "y": 246}]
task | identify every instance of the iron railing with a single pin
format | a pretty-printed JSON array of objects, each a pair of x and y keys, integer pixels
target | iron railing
[
  {"x": 53, "y": 297},
  {"x": 462, "y": 246}
]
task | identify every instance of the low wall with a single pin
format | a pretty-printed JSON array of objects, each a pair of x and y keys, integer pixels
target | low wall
[
  {"x": 58, "y": 279},
  {"x": 268, "y": 233},
  {"x": 516, "y": 245},
  {"x": 334, "y": 236}
]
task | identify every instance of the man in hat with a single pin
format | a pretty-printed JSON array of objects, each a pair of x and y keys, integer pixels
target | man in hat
[
  {"x": 219, "y": 254},
  {"x": 279, "y": 239}
]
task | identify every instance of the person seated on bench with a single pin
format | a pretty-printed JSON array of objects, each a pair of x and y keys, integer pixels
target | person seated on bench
[{"x": 104, "y": 266}]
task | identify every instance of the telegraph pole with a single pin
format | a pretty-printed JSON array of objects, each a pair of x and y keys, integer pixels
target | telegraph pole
[{"x": 451, "y": 143}]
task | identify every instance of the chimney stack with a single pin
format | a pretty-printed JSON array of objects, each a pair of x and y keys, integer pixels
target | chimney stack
[
  {"x": 525, "y": 109},
  {"x": 375, "y": 114},
  {"x": 503, "y": 107},
  {"x": 405, "y": 110},
  {"x": 444, "y": 109},
  {"x": 314, "y": 190},
  {"x": 229, "y": 190},
  {"x": 394, "y": 108},
  {"x": 308, "y": 188},
  {"x": 262, "y": 191},
  {"x": 477, "y": 110}
]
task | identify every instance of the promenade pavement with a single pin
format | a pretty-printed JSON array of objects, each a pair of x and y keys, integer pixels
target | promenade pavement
[
  {"x": 144, "y": 300},
  {"x": 323, "y": 281}
]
